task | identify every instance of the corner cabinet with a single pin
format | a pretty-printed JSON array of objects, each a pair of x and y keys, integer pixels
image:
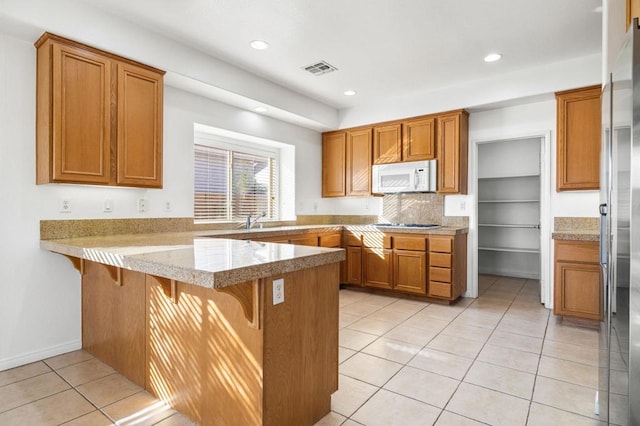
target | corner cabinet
[
  {"x": 346, "y": 163},
  {"x": 577, "y": 286},
  {"x": 578, "y": 146},
  {"x": 98, "y": 117},
  {"x": 452, "y": 152}
]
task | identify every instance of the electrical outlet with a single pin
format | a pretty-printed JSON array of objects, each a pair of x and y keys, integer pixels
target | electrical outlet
[
  {"x": 278, "y": 291},
  {"x": 167, "y": 206},
  {"x": 143, "y": 205},
  {"x": 65, "y": 205},
  {"x": 463, "y": 205},
  {"x": 108, "y": 205}
]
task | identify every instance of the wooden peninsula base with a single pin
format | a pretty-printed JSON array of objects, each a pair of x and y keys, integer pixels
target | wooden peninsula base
[{"x": 225, "y": 356}]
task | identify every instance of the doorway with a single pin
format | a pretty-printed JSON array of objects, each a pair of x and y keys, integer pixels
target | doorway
[{"x": 511, "y": 209}]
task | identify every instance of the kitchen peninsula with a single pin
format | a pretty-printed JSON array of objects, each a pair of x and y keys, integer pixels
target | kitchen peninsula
[{"x": 227, "y": 331}]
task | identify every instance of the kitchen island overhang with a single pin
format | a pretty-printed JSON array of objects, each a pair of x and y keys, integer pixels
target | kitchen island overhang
[{"x": 193, "y": 320}]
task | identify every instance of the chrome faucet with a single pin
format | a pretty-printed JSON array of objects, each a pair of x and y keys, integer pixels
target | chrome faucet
[{"x": 252, "y": 221}]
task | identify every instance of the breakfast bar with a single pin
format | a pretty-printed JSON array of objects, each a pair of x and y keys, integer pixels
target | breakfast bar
[{"x": 227, "y": 331}]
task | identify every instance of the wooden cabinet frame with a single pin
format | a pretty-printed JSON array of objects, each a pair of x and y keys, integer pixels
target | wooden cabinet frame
[
  {"x": 98, "y": 117},
  {"x": 578, "y": 139}
]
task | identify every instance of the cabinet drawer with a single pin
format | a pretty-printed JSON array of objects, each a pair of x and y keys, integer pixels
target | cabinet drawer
[
  {"x": 332, "y": 240},
  {"x": 352, "y": 240},
  {"x": 409, "y": 243},
  {"x": 440, "y": 274},
  {"x": 304, "y": 240},
  {"x": 440, "y": 290},
  {"x": 440, "y": 244},
  {"x": 440, "y": 259},
  {"x": 577, "y": 251},
  {"x": 377, "y": 240}
]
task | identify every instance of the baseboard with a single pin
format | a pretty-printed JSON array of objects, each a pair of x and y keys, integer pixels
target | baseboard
[
  {"x": 508, "y": 273},
  {"x": 16, "y": 361}
]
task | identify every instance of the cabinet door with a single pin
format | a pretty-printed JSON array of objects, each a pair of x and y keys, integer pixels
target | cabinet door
[
  {"x": 334, "y": 148},
  {"x": 81, "y": 90},
  {"x": 359, "y": 163},
  {"x": 139, "y": 155},
  {"x": 353, "y": 267},
  {"x": 578, "y": 145},
  {"x": 419, "y": 140},
  {"x": 452, "y": 154},
  {"x": 578, "y": 290},
  {"x": 387, "y": 144},
  {"x": 410, "y": 271},
  {"x": 378, "y": 268}
]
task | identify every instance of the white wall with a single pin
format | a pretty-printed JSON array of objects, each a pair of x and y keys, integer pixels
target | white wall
[
  {"x": 532, "y": 119},
  {"x": 40, "y": 303}
]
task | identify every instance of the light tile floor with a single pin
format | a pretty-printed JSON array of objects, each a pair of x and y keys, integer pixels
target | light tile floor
[{"x": 501, "y": 359}]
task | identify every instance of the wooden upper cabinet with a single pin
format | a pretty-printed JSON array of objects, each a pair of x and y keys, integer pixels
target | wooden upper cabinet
[
  {"x": 410, "y": 140},
  {"x": 98, "y": 117},
  {"x": 452, "y": 152},
  {"x": 334, "y": 150},
  {"x": 74, "y": 120},
  {"x": 358, "y": 170},
  {"x": 139, "y": 126},
  {"x": 578, "y": 140},
  {"x": 387, "y": 144},
  {"x": 419, "y": 139}
]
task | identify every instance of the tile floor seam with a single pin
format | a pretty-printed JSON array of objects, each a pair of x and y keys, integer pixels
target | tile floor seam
[
  {"x": 35, "y": 400},
  {"x": 27, "y": 378}
]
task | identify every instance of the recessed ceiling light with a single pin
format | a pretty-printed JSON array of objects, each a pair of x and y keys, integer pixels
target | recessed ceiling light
[
  {"x": 349, "y": 92},
  {"x": 260, "y": 109},
  {"x": 492, "y": 57},
  {"x": 259, "y": 44}
]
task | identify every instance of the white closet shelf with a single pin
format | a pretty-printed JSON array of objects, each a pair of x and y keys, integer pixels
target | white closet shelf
[
  {"x": 507, "y": 177},
  {"x": 510, "y": 249},
  {"x": 508, "y": 201},
  {"x": 505, "y": 225}
]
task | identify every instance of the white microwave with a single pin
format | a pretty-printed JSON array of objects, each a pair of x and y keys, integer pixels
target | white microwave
[{"x": 414, "y": 176}]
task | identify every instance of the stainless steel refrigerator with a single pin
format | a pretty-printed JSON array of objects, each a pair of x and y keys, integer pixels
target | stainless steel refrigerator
[{"x": 619, "y": 390}]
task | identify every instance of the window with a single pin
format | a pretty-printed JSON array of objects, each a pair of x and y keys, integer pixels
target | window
[{"x": 231, "y": 184}]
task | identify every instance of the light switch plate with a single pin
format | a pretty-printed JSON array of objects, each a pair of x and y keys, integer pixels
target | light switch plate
[{"x": 278, "y": 291}]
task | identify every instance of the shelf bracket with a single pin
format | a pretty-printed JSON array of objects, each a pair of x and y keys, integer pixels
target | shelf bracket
[
  {"x": 248, "y": 295},
  {"x": 78, "y": 263},
  {"x": 114, "y": 272},
  {"x": 169, "y": 287}
]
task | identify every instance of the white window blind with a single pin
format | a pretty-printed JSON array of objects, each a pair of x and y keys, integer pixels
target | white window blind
[{"x": 231, "y": 185}]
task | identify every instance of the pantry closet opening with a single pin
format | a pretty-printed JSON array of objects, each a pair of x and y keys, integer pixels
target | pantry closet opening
[{"x": 510, "y": 209}]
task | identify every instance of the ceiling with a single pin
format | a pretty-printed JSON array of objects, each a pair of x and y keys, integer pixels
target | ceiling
[{"x": 382, "y": 48}]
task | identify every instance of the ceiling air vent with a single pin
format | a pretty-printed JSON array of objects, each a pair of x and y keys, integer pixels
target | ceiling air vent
[{"x": 319, "y": 68}]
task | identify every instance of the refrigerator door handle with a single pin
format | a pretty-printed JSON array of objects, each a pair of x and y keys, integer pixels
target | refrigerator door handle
[{"x": 603, "y": 234}]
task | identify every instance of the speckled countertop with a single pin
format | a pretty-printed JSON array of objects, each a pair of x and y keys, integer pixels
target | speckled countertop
[
  {"x": 576, "y": 228},
  {"x": 207, "y": 262},
  {"x": 216, "y": 258}
]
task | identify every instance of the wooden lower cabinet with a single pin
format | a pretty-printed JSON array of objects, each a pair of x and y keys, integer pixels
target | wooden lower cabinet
[
  {"x": 353, "y": 266},
  {"x": 378, "y": 267},
  {"x": 447, "y": 266},
  {"x": 197, "y": 348},
  {"x": 410, "y": 271},
  {"x": 578, "y": 284},
  {"x": 416, "y": 264}
]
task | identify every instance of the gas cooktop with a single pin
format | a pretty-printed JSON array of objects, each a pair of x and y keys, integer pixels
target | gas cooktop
[{"x": 407, "y": 225}]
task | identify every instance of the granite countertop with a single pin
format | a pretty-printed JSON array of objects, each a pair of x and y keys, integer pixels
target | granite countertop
[
  {"x": 576, "y": 228},
  {"x": 587, "y": 235},
  {"x": 216, "y": 258},
  {"x": 207, "y": 262}
]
